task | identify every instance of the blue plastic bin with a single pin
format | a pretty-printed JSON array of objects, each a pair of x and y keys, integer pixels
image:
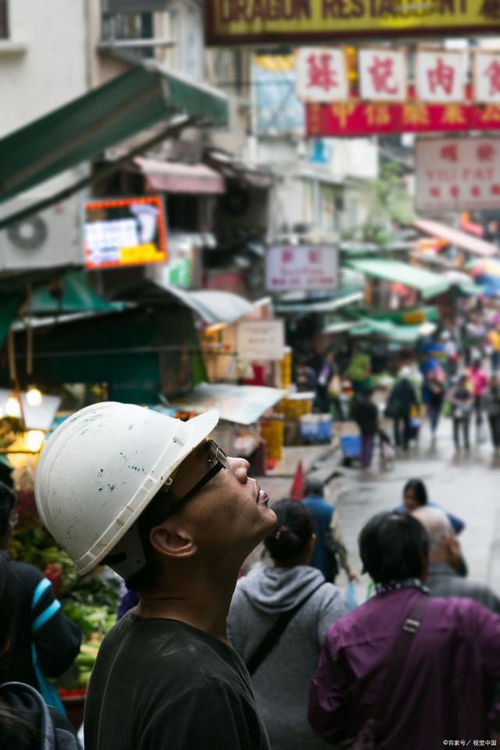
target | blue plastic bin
[{"x": 351, "y": 446}]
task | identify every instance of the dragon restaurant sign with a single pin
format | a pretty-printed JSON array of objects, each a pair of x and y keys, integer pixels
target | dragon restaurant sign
[{"x": 290, "y": 21}]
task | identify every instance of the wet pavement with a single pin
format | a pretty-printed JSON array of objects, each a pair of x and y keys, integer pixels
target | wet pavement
[{"x": 468, "y": 485}]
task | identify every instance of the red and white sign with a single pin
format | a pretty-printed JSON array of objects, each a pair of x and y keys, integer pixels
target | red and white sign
[
  {"x": 291, "y": 267},
  {"x": 487, "y": 77},
  {"x": 458, "y": 174},
  {"x": 440, "y": 76},
  {"x": 382, "y": 74},
  {"x": 321, "y": 75}
]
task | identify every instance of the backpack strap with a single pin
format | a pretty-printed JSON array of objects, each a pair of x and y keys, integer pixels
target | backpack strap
[
  {"x": 272, "y": 637},
  {"x": 49, "y": 692}
]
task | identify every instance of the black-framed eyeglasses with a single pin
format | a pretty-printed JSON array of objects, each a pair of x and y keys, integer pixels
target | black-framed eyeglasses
[{"x": 217, "y": 459}]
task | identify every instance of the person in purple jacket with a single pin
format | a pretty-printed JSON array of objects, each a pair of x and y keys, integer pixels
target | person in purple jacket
[{"x": 446, "y": 687}]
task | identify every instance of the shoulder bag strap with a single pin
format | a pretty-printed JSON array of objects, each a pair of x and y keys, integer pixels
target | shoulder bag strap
[
  {"x": 271, "y": 638},
  {"x": 402, "y": 646}
]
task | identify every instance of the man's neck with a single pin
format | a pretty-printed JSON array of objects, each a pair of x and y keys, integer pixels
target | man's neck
[{"x": 202, "y": 603}]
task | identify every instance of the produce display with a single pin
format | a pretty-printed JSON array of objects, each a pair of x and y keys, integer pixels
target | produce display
[{"x": 91, "y": 602}]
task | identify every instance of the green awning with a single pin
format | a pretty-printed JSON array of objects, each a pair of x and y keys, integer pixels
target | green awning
[
  {"x": 387, "y": 330},
  {"x": 70, "y": 293},
  {"x": 394, "y": 271},
  {"x": 80, "y": 130}
]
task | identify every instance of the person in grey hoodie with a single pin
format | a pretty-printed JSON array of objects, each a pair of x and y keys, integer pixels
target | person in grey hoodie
[{"x": 281, "y": 681}]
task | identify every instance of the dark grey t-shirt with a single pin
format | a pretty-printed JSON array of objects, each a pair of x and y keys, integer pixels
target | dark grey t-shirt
[{"x": 159, "y": 684}]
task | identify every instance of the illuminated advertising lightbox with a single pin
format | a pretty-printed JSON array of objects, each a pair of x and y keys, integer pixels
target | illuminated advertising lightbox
[{"x": 125, "y": 232}]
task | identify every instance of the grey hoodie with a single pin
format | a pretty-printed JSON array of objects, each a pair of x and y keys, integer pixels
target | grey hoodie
[{"x": 281, "y": 682}]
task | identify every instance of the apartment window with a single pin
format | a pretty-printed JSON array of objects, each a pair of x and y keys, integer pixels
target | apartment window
[{"x": 4, "y": 26}]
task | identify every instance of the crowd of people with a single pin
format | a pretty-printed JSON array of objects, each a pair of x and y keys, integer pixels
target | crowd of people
[
  {"x": 277, "y": 658},
  {"x": 452, "y": 374}
]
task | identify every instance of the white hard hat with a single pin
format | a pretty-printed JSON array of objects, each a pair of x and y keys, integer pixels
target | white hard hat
[{"x": 100, "y": 469}]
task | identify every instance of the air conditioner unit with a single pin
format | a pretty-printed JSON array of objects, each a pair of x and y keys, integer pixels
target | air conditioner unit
[{"x": 52, "y": 237}]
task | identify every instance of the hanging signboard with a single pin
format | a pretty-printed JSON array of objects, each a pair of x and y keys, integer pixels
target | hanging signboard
[
  {"x": 440, "y": 76},
  {"x": 261, "y": 339},
  {"x": 290, "y": 267},
  {"x": 382, "y": 75},
  {"x": 355, "y": 117},
  {"x": 486, "y": 76},
  {"x": 125, "y": 232},
  {"x": 321, "y": 75},
  {"x": 457, "y": 174},
  {"x": 290, "y": 21}
]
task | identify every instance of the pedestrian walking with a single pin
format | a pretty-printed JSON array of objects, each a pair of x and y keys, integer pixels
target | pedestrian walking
[
  {"x": 492, "y": 408},
  {"x": 402, "y": 399},
  {"x": 329, "y": 549},
  {"x": 165, "y": 507},
  {"x": 44, "y": 642},
  {"x": 493, "y": 338},
  {"x": 433, "y": 392},
  {"x": 462, "y": 401},
  {"x": 365, "y": 414},
  {"x": 415, "y": 496},
  {"x": 326, "y": 372},
  {"x": 277, "y": 622},
  {"x": 479, "y": 382},
  {"x": 305, "y": 377},
  {"x": 444, "y": 575},
  {"x": 392, "y": 672}
]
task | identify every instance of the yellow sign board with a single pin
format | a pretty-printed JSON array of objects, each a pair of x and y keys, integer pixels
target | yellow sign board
[{"x": 292, "y": 21}]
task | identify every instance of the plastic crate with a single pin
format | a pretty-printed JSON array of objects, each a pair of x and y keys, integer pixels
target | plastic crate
[{"x": 351, "y": 446}]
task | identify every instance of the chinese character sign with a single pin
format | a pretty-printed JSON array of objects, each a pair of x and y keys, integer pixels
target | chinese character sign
[
  {"x": 291, "y": 267},
  {"x": 382, "y": 74},
  {"x": 440, "y": 76},
  {"x": 459, "y": 174},
  {"x": 487, "y": 77},
  {"x": 321, "y": 75}
]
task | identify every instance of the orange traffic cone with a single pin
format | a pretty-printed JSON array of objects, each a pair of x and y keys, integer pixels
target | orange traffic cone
[{"x": 297, "y": 491}]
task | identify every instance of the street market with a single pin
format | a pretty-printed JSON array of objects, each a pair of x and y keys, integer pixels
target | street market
[{"x": 249, "y": 375}]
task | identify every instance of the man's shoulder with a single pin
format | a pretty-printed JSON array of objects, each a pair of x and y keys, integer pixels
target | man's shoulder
[
  {"x": 454, "y": 586},
  {"x": 29, "y": 575}
]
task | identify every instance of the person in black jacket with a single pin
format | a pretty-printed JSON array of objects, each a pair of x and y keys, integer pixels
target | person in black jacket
[
  {"x": 41, "y": 620},
  {"x": 365, "y": 414},
  {"x": 401, "y": 400}
]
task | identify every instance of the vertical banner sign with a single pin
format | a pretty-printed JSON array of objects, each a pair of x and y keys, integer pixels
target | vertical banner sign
[
  {"x": 382, "y": 74},
  {"x": 321, "y": 75},
  {"x": 305, "y": 267},
  {"x": 440, "y": 76},
  {"x": 459, "y": 174},
  {"x": 486, "y": 76}
]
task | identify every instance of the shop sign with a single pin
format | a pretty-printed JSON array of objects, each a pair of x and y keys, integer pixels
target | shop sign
[
  {"x": 355, "y": 117},
  {"x": 321, "y": 75},
  {"x": 125, "y": 232},
  {"x": 261, "y": 340},
  {"x": 382, "y": 74},
  {"x": 291, "y": 21},
  {"x": 440, "y": 76},
  {"x": 290, "y": 267},
  {"x": 486, "y": 75},
  {"x": 458, "y": 174}
]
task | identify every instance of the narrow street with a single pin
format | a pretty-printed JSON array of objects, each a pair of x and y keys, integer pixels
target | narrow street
[{"x": 466, "y": 485}]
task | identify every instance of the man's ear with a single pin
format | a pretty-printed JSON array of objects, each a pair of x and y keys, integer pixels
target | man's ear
[{"x": 172, "y": 540}]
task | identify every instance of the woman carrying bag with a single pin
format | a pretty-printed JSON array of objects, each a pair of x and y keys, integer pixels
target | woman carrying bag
[{"x": 278, "y": 620}]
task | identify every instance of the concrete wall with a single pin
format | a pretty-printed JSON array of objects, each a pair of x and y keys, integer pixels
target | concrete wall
[{"x": 43, "y": 64}]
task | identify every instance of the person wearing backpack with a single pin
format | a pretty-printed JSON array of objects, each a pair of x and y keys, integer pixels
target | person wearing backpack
[
  {"x": 26, "y": 722},
  {"x": 277, "y": 621},
  {"x": 45, "y": 642}
]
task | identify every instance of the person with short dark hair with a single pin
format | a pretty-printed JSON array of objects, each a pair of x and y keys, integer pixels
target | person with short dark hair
[
  {"x": 462, "y": 401},
  {"x": 41, "y": 620},
  {"x": 415, "y": 496},
  {"x": 329, "y": 549},
  {"x": 161, "y": 503},
  {"x": 431, "y": 700},
  {"x": 365, "y": 413},
  {"x": 281, "y": 680}
]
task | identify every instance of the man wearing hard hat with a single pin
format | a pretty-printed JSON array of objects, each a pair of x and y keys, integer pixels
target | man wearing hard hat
[{"x": 163, "y": 505}]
